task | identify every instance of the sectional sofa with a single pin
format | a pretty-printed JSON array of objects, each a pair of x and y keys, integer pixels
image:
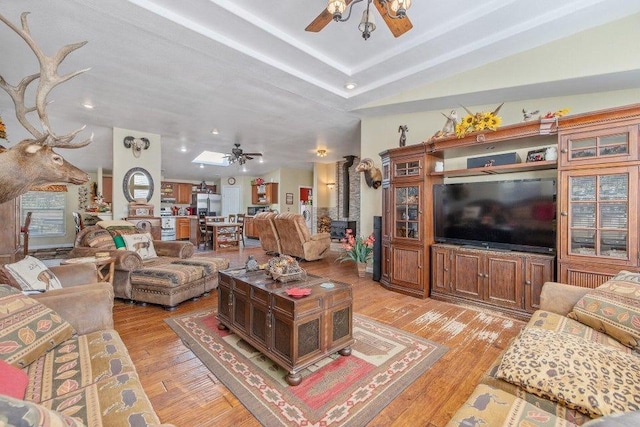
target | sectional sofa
[
  {"x": 576, "y": 362},
  {"x": 61, "y": 361},
  {"x": 162, "y": 272}
]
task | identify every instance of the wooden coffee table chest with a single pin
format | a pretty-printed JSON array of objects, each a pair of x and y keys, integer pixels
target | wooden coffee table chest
[{"x": 293, "y": 332}]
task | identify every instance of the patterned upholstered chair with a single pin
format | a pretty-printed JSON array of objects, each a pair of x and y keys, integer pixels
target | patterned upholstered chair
[
  {"x": 269, "y": 239},
  {"x": 297, "y": 241}
]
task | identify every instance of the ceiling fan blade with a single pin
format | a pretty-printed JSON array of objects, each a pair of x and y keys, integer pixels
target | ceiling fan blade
[
  {"x": 321, "y": 20},
  {"x": 248, "y": 157},
  {"x": 253, "y": 154},
  {"x": 397, "y": 26}
]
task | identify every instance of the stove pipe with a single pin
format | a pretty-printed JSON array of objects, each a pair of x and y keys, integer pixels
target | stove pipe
[{"x": 346, "y": 185}]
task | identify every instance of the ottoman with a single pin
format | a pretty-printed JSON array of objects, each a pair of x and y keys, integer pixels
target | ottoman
[
  {"x": 168, "y": 284},
  {"x": 211, "y": 267}
]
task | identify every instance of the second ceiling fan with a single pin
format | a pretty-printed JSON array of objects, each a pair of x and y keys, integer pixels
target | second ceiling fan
[
  {"x": 394, "y": 13},
  {"x": 237, "y": 155}
]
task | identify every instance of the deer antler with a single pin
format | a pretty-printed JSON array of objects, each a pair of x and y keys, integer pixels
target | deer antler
[{"x": 48, "y": 79}]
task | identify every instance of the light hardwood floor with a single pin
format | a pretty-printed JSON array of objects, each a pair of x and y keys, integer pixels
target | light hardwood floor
[{"x": 185, "y": 393}]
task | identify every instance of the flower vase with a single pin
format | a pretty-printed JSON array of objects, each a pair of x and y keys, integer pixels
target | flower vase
[{"x": 361, "y": 268}]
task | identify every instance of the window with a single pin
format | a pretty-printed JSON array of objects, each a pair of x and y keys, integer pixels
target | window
[{"x": 48, "y": 213}]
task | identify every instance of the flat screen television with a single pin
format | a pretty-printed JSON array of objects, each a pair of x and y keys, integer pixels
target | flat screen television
[{"x": 518, "y": 215}]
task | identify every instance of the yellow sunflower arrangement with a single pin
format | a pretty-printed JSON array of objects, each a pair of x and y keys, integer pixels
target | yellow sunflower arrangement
[
  {"x": 3, "y": 130},
  {"x": 488, "y": 120}
]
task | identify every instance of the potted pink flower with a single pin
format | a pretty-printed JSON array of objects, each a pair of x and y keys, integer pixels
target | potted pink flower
[{"x": 357, "y": 249}]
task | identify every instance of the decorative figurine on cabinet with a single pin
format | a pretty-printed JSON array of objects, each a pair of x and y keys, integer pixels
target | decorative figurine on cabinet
[{"x": 403, "y": 129}]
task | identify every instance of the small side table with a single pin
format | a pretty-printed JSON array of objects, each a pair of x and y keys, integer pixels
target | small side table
[{"x": 104, "y": 266}]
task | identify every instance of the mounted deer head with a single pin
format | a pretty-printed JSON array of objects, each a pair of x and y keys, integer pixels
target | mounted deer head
[{"x": 33, "y": 162}]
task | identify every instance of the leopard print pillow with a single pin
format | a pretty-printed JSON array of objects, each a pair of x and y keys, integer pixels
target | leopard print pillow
[{"x": 581, "y": 375}]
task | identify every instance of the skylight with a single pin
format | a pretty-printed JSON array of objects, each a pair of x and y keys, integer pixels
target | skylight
[{"x": 212, "y": 158}]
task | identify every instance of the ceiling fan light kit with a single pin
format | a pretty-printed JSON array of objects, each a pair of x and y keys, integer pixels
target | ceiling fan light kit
[{"x": 389, "y": 9}]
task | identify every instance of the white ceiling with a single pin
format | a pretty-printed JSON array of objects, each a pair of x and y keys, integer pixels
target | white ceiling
[{"x": 248, "y": 68}]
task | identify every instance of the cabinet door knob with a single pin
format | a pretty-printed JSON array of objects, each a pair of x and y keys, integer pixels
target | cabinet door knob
[
  {"x": 564, "y": 150},
  {"x": 527, "y": 282},
  {"x": 486, "y": 276},
  {"x": 480, "y": 275},
  {"x": 563, "y": 213}
]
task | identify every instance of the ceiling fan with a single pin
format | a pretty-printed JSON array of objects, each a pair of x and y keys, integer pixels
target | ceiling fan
[
  {"x": 237, "y": 155},
  {"x": 394, "y": 13}
]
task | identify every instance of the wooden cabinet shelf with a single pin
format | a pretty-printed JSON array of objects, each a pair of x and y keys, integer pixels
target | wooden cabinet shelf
[
  {"x": 264, "y": 194},
  {"x": 495, "y": 170}
]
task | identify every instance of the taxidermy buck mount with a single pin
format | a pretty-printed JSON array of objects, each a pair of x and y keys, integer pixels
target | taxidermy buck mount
[
  {"x": 32, "y": 162},
  {"x": 372, "y": 175}
]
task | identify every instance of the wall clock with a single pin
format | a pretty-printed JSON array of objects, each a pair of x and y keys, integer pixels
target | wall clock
[{"x": 231, "y": 180}]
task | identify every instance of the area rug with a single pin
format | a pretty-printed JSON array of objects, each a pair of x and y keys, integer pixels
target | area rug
[{"x": 337, "y": 391}]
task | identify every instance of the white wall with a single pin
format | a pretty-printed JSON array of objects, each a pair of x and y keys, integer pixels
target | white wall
[{"x": 123, "y": 160}]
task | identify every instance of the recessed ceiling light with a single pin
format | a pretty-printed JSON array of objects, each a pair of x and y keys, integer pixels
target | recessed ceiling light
[
  {"x": 214, "y": 131},
  {"x": 201, "y": 166},
  {"x": 261, "y": 160},
  {"x": 88, "y": 106},
  {"x": 350, "y": 86},
  {"x": 183, "y": 149}
]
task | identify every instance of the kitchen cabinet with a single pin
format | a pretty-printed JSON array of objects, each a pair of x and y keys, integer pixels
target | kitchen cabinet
[
  {"x": 183, "y": 193},
  {"x": 250, "y": 230},
  {"x": 167, "y": 192},
  {"x": 507, "y": 281},
  {"x": 264, "y": 194},
  {"x": 176, "y": 192},
  {"x": 183, "y": 228},
  {"x": 107, "y": 189}
]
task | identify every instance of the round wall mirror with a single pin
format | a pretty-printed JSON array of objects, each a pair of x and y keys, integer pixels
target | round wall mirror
[{"x": 137, "y": 184}]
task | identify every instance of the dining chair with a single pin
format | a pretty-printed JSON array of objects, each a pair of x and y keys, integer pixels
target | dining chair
[
  {"x": 206, "y": 235},
  {"x": 217, "y": 219},
  {"x": 240, "y": 221},
  {"x": 232, "y": 217},
  {"x": 25, "y": 234}
]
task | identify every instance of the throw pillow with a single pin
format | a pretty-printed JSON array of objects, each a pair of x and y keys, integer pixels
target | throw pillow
[
  {"x": 99, "y": 238},
  {"x": 119, "y": 241},
  {"x": 28, "y": 328},
  {"x": 14, "y": 381},
  {"x": 32, "y": 275},
  {"x": 17, "y": 412},
  {"x": 142, "y": 244},
  {"x": 582, "y": 375},
  {"x": 613, "y": 308}
]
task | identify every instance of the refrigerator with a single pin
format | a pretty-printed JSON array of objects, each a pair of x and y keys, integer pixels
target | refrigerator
[{"x": 207, "y": 204}]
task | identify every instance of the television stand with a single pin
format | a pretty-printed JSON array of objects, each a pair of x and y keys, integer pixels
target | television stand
[
  {"x": 505, "y": 280},
  {"x": 485, "y": 248}
]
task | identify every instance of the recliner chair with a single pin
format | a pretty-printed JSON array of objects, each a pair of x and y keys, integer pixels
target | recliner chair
[
  {"x": 296, "y": 239},
  {"x": 269, "y": 239}
]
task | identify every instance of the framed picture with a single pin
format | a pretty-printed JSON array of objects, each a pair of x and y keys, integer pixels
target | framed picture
[
  {"x": 536, "y": 155},
  {"x": 289, "y": 197}
]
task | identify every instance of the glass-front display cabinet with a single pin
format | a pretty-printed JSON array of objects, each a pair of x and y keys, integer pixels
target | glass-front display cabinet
[
  {"x": 595, "y": 147},
  {"x": 407, "y": 211},
  {"x": 599, "y": 211}
]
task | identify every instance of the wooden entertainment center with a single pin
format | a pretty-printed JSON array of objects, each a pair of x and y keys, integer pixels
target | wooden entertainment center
[{"x": 597, "y": 174}]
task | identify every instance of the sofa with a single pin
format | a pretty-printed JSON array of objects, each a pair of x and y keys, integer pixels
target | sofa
[
  {"x": 150, "y": 271},
  {"x": 297, "y": 241},
  {"x": 61, "y": 361},
  {"x": 576, "y": 362}
]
